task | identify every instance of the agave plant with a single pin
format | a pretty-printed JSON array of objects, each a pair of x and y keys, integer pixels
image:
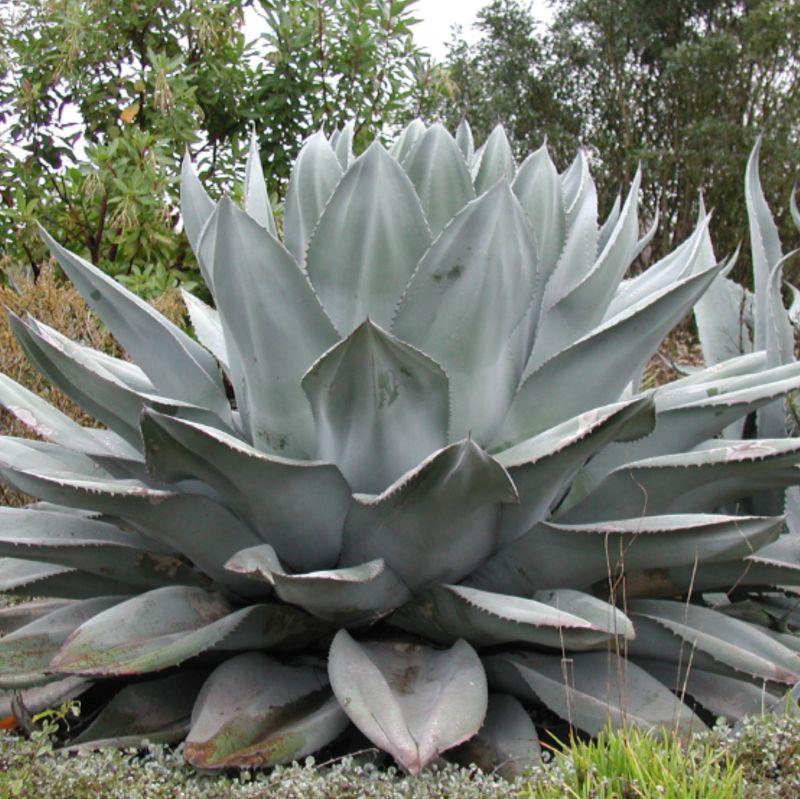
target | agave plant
[{"x": 407, "y": 486}]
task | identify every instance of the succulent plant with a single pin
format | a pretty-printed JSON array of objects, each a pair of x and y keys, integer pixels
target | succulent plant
[{"x": 407, "y": 486}]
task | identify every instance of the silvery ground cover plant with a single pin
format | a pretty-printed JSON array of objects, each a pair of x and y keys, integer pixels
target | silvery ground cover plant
[{"x": 405, "y": 491}]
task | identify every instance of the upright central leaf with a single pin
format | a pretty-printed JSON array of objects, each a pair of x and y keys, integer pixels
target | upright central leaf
[
  {"x": 471, "y": 290},
  {"x": 369, "y": 238},
  {"x": 380, "y": 407}
]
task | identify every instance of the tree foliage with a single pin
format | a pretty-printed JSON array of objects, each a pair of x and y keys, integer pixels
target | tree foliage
[{"x": 682, "y": 87}]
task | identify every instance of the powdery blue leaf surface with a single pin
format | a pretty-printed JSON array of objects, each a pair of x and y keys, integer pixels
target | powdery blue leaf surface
[
  {"x": 468, "y": 295},
  {"x": 591, "y": 690},
  {"x": 37, "y": 578},
  {"x": 369, "y": 239},
  {"x": 404, "y": 144},
  {"x": 556, "y": 619},
  {"x": 440, "y": 175},
  {"x": 677, "y": 632},
  {"x": 256, "y": 197},
  {"x": 411, "y": 701},
  {"x": 208, "y": 327},
  {"x": 262, "y": 295},
  {"x": 255, "y": 711},
  {"x": 196, "y": 208},
  {"x": 297, "y": 506},
  {"x": 436, "y": 523},
  {"x": 496, "y": 161},
  {"x": 380, "y": 407},
  {"x": 316, "y": 172},
  {"x": 178, "y": 366},
  {"x": 466, "y": 143}
]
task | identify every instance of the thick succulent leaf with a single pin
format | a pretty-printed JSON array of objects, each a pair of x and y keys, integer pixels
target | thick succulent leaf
[
  {"x": 682, "y": 261},
  {"x": 43, "y": 697},
  {"x": 723, "y": 696},
  {"x": 208, "y": 327},
  {"x": 591, "y": 690},
  {"x": 436, "y": 523},
  {"x": 196, "y": 208},
  {"x": 691, "y": 482},
  {"x": 256, "y": 197},
  {"x": 557, "y": 619},
  {"x": 579, "y": 556},
  {"x": 441, "y": 177},
  {"x": 681, "y": 633},
  {"x": 90, "y": 545},
  {"x": 604, "y": 234},
  {"x": 36, "y": 578},
  {"x": 261, "y": 294},
  {"x": 404, "y": 144},
  {"x": 605, "y": 360},
  {"x": 466, "y": 143},
  {"x": 469, "y": 293},
  {"x": 186, "y": 523},
  {"x": 724, "y": 317},
  {"x": 765, "y": 248},
  {"x": 53, "y": 425},
  {"x": 686, "y": 417},
  {"x": 580, "y": 247},
  {"x": 380, "y": 407},
  {"x": 314, "y": 177},
  {"x": 343, "y": 144},
  {"x": 15, "y": 616},
  {"x": 583, "y": 307},
  {"x": 507, "y": 743},
  {"x": 256, "y": 711},
  {"x": 155, "y": 711},
  {"x": 542, "y": 467},
  {"x": 297, "y": 506},
  {"x": 411, "y": 701},
  {"x": 363, "y": 274},
  {"x": 178, "y": 366},
  {"x": 350, "y": 596},
  {"x": 25, "y": 654},
  {"x": 165, "y": 627},
  {"x": 538, "y": 188},
  {"x": 496, "y": 162}
]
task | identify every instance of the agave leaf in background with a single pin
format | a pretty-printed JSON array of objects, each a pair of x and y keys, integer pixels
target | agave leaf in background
[
  {"x": 683, "y": 633},
  {"x": 411, "y": 701},
  {"x": 466, "y": 143},
  {"x": 255, "y": 711},
  {"x": 256, "y": 198},
  {"x": 364, "y": 273},
  {"x": 403, "y": 146},
  {"x": 579, "y": 556},
  {"x": 37, "y": 578},
  {"x": 342, "y": 142},
  {"x": 208, "y": 327},
  {"x": 437, "y": 523},
  {"x": 43, "y": 697},
  {"x": 196, "y": 208},
  {"x": 553, "y": 619},
  {"x": 592, "y": 690},
  {"x": 268, "y": 295},
  {"x": 156, "y": 711},
  {"x": 496, "y": 162},
  {"x": 441, "y": 177},
  {"x": 316, "y": 172},
  {"x": 507, "y": 744},
  {"x": 15, "y": 616}
]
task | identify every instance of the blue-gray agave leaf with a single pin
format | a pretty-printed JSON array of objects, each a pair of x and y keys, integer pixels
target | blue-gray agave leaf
[
  {"x": 496, "y": 161},
  {"x": 364, "y": 273},
  {"x": 256, "y": 197},
  {"x": 380, "y": 407}
]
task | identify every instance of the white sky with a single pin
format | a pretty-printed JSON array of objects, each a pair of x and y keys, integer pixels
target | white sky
[{"x": 438, "y": 16}]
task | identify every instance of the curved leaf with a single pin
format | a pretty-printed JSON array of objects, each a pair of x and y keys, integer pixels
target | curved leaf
[
  {"x": 314, "y": 177},
  {"x": 255, "y": 711},
  {"x": 411, "y": 701},
  {"x": 466, "y": 298},
  {"x": 363, "y": 273},
  {"x": 591, "y": 690},
  {"x": 559, "y": 619},
  {"x": 208, "y": 327},
  {"x": 466, "y": 144},
  {"x": 380, "y": 407},
  {"x": 273, "y": 494},
  {"x": 436, "y": 523},
  {"x": 256, "y": 198},
  {"x": 262, "y": 294},
  {"x": 440, "y": 175},
  {"x": 196, "y": 208}
]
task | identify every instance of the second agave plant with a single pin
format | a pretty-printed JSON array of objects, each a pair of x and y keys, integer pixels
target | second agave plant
[{"x": 405, "y": 485}]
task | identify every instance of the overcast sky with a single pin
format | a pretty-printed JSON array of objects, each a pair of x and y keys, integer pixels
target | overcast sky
[{"x": 437, "y": 17}]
